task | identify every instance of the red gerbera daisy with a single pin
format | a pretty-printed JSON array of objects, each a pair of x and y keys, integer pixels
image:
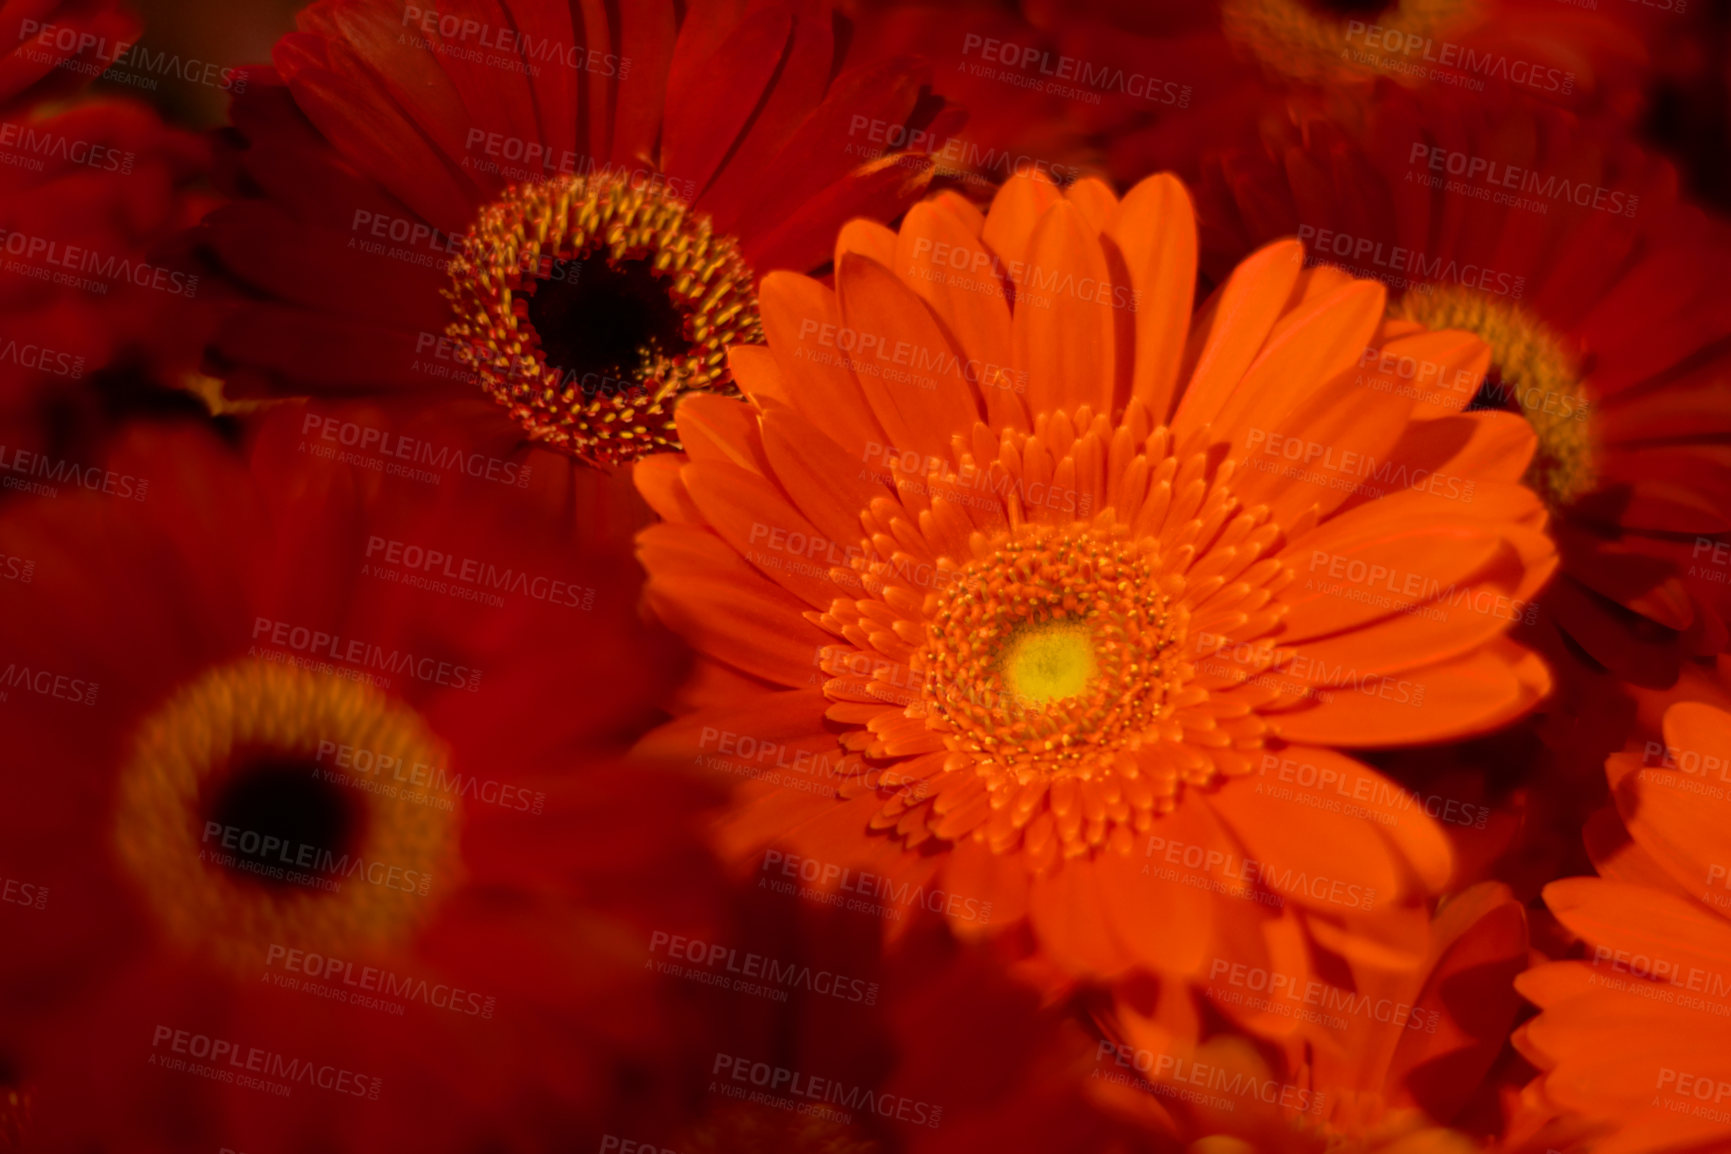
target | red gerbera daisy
[
  {"x": 566, "y": 209},
  {"x": 311, "y": 796},
  {"x": 1564, "y": 247},
  {"x": 1143, "y": 86},
  {"x": 50, "y": 49},
  {"x": 94, "y": 304}
]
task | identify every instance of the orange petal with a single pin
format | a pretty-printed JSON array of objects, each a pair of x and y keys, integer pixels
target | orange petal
[
  {"x": 1677, "y": 806},
  {"x": 1063, "y": 326},
  {"x": 798, "y": 315},
  {"x": 1232, "y": 328},
  {"x": 723, "y": 429},
  {"x": 1155, "y": 230},
  {"x": 707, "y": 594},
  {"x": 1398, "y": 813},
  {"x": 1306, "y": 351},
  {"x": 1306, "y": 850},
  {"x": 906, "y": 366},
  {"x": 1456, "y": 699},
  {"x": 753, "y": 516},
  {"x": 963, "y": 283},
  {"x": 657, "y": 478},
  {"x": 1093, "y": 198},
  {"x": 1015, "y": 210},
  {"x": 868, "y": 238},
  {"x": 758, "y": 376},
  {"x": 1444, "y": 368},
  {"x": 1068, "y": 912},
  {"x": 822, "y": 481}
]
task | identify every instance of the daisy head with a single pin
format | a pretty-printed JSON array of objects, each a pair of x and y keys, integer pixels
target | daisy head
[
  {"x": 1076, "y": 601},
  {"x": 308, "y": 794},
  {"x": 1564, "y": 57},
  {"x": 1567, "y": 250},
  {"x": 565, "y": 211}
]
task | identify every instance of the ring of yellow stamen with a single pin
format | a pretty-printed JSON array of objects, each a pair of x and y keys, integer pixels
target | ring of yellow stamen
[
  {"x": 1298, "y": 41},
  {"x": 517, "y": 243},
  {"x": 1049, "y": 652},
  {"x": 1535, "y": 371},
  {"x": 1049, "y": 674},
  {"x": 208, "y": 737}
]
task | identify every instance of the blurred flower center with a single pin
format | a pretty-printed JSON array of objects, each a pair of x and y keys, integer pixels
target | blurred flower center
[
  {"x": 1321, "y": 40},
  {"x": 1362, "y": 9},
  {"x": 1532, "y": 373},
  {"x": 1053, "y": 650},
  {"x": 289, "y": 804},
  {"x": 261, "y": 808},
  {"x": 587, "y": 305},
  {"x": 14, "y": 1110}
]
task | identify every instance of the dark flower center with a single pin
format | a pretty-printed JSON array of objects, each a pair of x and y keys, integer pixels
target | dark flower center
[
  {"x": 601, "y": 321},
  {"x": 589, "y": 305},
  {"x": 275, "y": 814},
  {"x": 1354, "y": 8},
  {"x": 1493, "y": 394}
]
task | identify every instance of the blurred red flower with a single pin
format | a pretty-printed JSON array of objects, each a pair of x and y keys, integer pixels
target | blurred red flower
[
  {"x": 313, "y": 788},
  {"x": 1567, "y": 249},
  {"x": 97, "y": 305}
]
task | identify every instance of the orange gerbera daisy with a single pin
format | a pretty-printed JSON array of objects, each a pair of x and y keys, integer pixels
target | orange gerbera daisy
[
  {"x": 1635, "y": 1037},
  {"x": 1387, "y": 1062},
  {"x": 1030, "y": 607},
  {"x": 1566, "y": 248},
  {"x": 562, "y": 208}
]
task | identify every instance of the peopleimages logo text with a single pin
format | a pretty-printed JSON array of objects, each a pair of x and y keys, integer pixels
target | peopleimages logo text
[
  {"x": 481, "y": 574},
  {"x": 1526, "y": 181}
]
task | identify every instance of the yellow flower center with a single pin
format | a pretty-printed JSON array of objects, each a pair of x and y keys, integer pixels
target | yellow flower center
[
  {"x": 1314, "y": 41},
  {"x": 1532, "y": 373},
  {"x": 587, "y": 305},
  {"x": 1055, "y": 668},
  {"x": 1050, "y": 663},
  {"x": 247, "y": 822},
  {"x": 1051, "y": 649}
]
